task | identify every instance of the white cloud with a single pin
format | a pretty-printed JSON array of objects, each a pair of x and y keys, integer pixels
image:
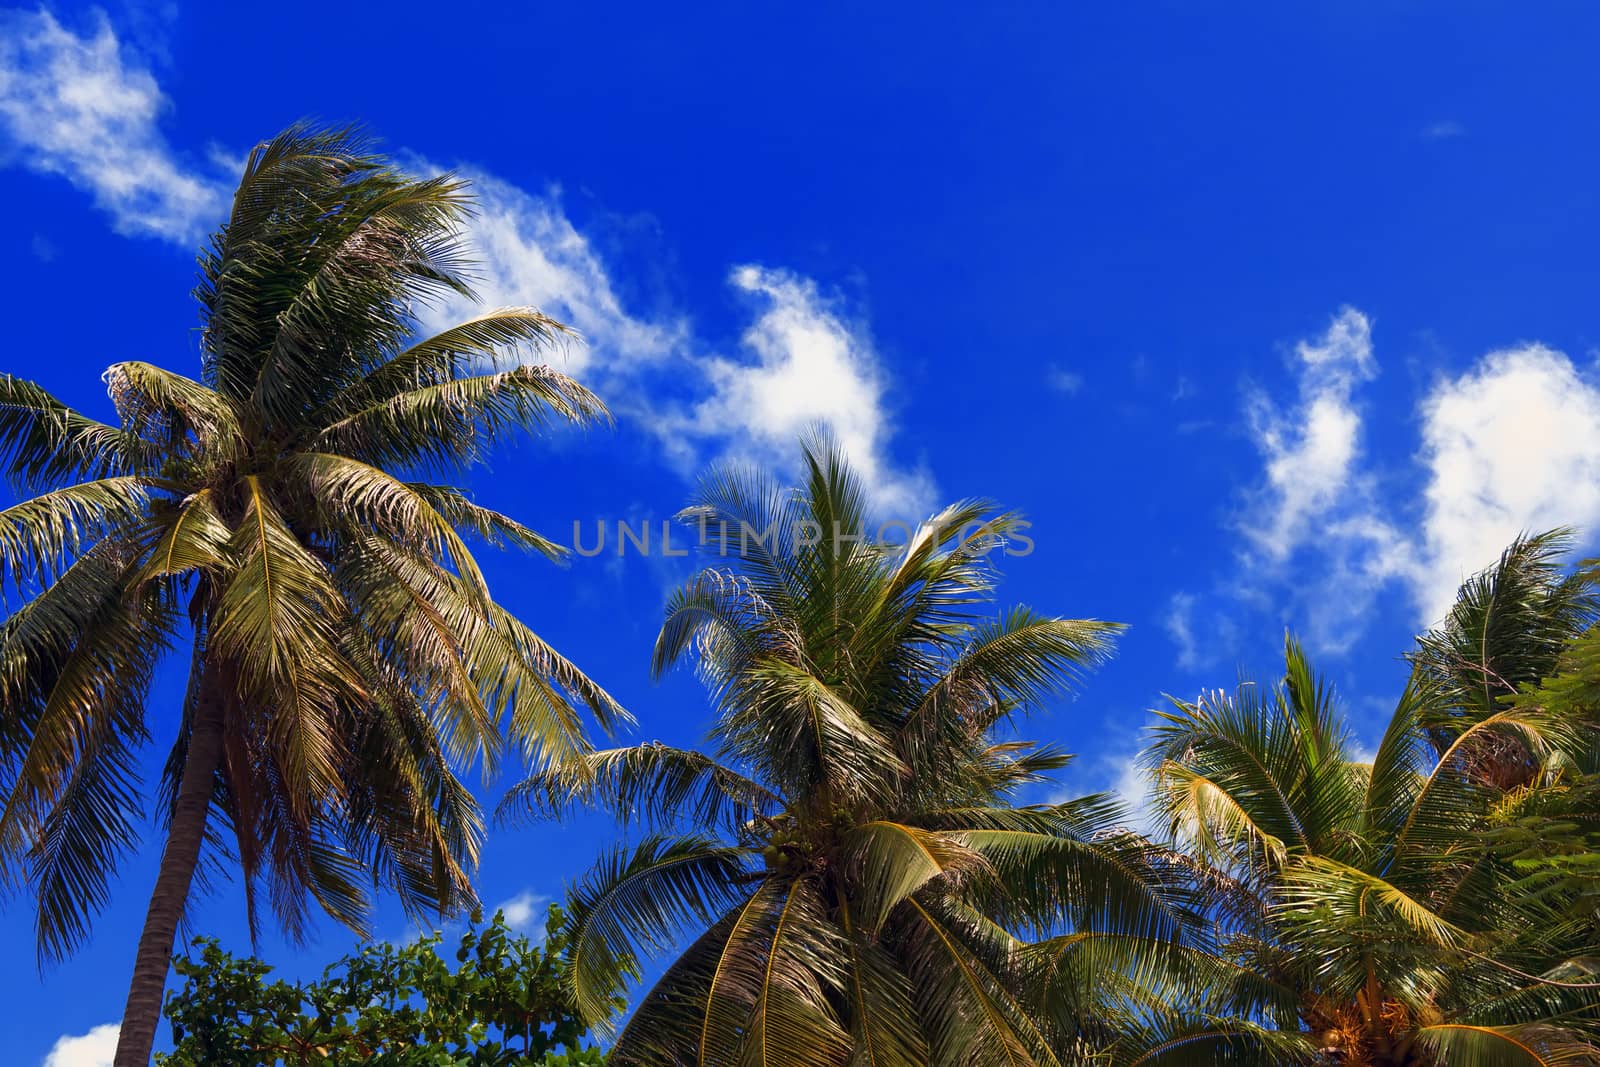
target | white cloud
[
  {"x": 800, "y": 364},
  {"x": 1131, "y": 785},
  {"x": 1311, "y": 450},
  {"x": 1511, "y": 446},
  {"x": 525, "y": 912},
  {"x": 1064, "y": 381},
  {"x": 1180, "y": 627},
  {"x": 529, "y": 252},
  {"x": 83, "y": 108},
  {"x": 1317, "y": 500},
  {"x": 93, "y": 1049},
  {"x": 72, "y": 106},
  {"x": 805, "y": 365}
]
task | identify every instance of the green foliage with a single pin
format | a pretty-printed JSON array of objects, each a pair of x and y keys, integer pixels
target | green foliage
[
  {"x": 290, "y": 512},
  {"x": 390, "y": 1006},
  {"x": 268, "y": 507},
  {"x": 1551, "y": 837},
  {"x": 1436, "y": 905},
  {"x": 851, "y": 859},
  {"x": 1511, "y": 627}
]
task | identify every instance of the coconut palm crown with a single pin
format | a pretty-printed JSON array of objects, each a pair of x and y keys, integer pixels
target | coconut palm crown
[
  {"x": 1509, "y": 628},
  {"x": 856, "y": 881},
  {"x": 1365, "y": 888},
  {"x": 288, "y": 517}
]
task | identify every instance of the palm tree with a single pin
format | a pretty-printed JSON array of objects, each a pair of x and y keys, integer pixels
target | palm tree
[
  {"x": 1507, "y": 631},
  {"x": 1364, "y": 887},
  {"x": 346, "y": 657},
  {"x": 847, "y": 857}
]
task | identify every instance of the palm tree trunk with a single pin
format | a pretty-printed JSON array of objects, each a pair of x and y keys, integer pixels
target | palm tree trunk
[{"x": 184, "y": 837}]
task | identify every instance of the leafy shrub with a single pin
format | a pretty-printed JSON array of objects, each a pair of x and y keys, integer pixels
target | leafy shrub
[{"x": 386, "y": 1005}]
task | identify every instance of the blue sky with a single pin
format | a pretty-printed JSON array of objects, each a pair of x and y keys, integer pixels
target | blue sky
[{"x": 1282, "y": 317}]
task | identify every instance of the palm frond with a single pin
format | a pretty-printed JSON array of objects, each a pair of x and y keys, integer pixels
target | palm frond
[
  {"x": 1442, "y": 800},
  {"x": 653, "y": 784},
  {"x": 276, "y": 622},
  {"x": 1215, "y": 1042},
  {"x": 792, "y": 1022},
  {"x": 884, "y": 1023},
  {"x": 1017, "y": 661},
  {"x": 75, "y": 696},
  {"x": 38, "y": 537},
  {"x": 1506, "y": 629},
  {"x": 889, "y": 861},
  {"x": 460, "y": 350},
  {"x": 91, "y": 824},
  {"x": 453, "y": 424},
  {"x": 490, "y": 526},
  {"x": 967, "y": 1013},
  {"x": 1211, "y": 819},
  {"x": 1054, "y": 876},
  {"x": 1318, "y": 891},
  {"x": 1462, "y": 1045},
  {"x": 635, "y": 901},
  {"x": 802, "y": 731},
  {"x": 176, "y": 415},
  {"x": 356, "y": 498},
  {"x": 44, "y": 443},
  {"x": 193, "y": 537}
]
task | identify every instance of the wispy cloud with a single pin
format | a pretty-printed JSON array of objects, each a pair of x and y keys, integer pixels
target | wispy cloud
[
  {"x": 1180, "y": 627},
  {"x": 94, "y": 1049},
  {"x": 1064, "y": 381},
  {"x": 525, "y": 912},
  {"x": 80, "y": 106},
  {"x": 803, "y": 363},
  {"x": 1119, "y": 773},
  {"x": 1316, "y": 536},
  {"x": 1443, "y": 131},
  {"x": 1131, "y": 784},
  {"x": 528, "y": 251},
  {"x": 75, "y": 106},
  {"x": 1509, "y": 446},
  {"x": 1310, "y": 447}
]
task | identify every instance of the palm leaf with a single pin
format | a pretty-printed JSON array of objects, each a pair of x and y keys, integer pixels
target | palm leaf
[
  {"x": 651, "y": 783},
  {"x": 635, "y": 901},
  {"x": 1462, "y": 1045},
  {"x": 44, "y": 443}
]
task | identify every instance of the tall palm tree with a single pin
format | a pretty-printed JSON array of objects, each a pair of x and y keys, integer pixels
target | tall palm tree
[
  {"x": 1364, "y": 887},
  {"x": 282, "y": 515},
  {"x": 847, "y": 855},
  {"x": 1507, "y": 630}
]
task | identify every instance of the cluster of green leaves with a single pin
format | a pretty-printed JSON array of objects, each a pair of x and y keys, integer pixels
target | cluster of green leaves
[
  {"x": 269, "y": 513},
  {"x": 293, "y": 516},
  {"x": 391, "y": 1006},
  {"x": 1436, "y": 904},
  {"x": 851, "y": 859},
  {"x": 862, "y": 885},
  {"x": 1552, "y": 839},
  {"x": 852, "y": 856}
]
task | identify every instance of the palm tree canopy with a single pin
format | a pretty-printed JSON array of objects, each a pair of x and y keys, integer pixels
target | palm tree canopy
[
  {"x": 290, "y": 510},
  {"x": 1508, "y": 630},
  {"x": 848, "y": 856},
  {"x": 1366, "y": 887}
]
